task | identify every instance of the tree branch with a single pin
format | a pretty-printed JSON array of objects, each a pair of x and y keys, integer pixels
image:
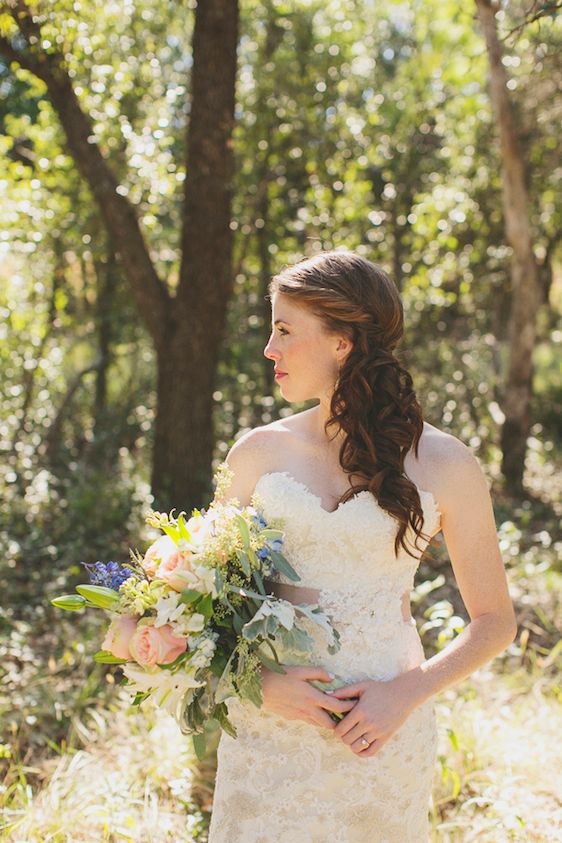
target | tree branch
[{"x": 151, "y": 295}]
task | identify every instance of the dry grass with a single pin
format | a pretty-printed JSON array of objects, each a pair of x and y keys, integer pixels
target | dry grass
[
  {"x": 499, "y": 776},
  {"x": 131, "y": 782},
  {"x": 500, "y": 761}
]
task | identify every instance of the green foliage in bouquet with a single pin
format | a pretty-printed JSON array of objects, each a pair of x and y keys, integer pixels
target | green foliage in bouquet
[{"x": 192, "y": 623}]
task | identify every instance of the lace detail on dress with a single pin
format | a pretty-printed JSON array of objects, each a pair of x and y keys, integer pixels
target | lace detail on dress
[{"x": 287, "y": 781}]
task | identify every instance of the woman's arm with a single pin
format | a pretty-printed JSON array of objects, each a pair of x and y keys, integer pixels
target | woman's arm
[{"x": 469, "y": 531}]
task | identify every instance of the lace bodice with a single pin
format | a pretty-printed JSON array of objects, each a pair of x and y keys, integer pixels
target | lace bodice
[
  {"x": 359, "y": 531},
  {"x": 348, "y": 555},
  {"x": 288, "y": 781}
]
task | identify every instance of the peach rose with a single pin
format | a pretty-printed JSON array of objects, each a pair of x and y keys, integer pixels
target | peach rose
[
  {"x": 156, "y": 645},
  {"x": 158, "y": 550},
  {"x": 170, "y": 568},
  {"x": 118, "y": 636}
]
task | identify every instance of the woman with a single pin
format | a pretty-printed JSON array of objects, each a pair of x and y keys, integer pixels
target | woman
[{"x": 361, "y": 484}]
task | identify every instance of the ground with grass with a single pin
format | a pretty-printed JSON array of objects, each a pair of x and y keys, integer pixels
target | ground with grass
[{"x": 79, "y": 764}]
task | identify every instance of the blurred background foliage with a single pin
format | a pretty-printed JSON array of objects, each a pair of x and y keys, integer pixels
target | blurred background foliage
[{"x": 357, "y": 125}]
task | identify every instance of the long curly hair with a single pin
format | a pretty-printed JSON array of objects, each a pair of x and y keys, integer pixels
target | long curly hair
[{"x": 373, "y": 402}]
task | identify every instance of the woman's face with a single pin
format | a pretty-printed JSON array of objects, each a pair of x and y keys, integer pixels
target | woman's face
[{"x": 299, "y": 346}]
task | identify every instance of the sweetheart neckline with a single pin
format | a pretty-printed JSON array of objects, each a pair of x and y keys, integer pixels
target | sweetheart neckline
[{"x": 355, "y": 497}]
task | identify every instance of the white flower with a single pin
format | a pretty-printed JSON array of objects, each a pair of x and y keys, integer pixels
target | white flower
[
  {"x": 168, "y": 609},
  {"x": 189, "y": 623},
  {"x": 169, "y": 688},
  {"x": 202, "y": 649},
  {"x": 200, "y": 579},
  {"x": 200, "y": 528}
]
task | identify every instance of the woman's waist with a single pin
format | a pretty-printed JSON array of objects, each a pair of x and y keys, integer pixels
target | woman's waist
[
  {"x": 365, "y": 650},
  {"x": 362, "y": 603}
]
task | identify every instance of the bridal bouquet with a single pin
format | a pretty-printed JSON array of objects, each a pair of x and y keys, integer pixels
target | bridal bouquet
[{"x": 191, "y": 622}]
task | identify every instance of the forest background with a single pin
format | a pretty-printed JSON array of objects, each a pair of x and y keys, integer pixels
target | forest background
[{"x": 160, "y": 162}]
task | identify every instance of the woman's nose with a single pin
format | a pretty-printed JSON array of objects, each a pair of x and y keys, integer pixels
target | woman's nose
[{"x": 269, "y": 351}]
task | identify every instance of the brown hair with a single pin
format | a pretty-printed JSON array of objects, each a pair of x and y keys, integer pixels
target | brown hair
[{"x": 374, "y": 402}]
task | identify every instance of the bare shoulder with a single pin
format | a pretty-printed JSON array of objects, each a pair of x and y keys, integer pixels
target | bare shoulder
[
  {"x": 250, "y": 456},
  {"x": 456, "y": 473}
]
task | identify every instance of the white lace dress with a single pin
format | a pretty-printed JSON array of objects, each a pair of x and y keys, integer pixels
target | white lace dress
[{"x": 287, "y": 781}]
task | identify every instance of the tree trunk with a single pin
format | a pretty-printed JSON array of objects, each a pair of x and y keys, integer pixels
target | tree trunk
[
  {"x": 183, "y": 435},
  {"x": 186, "y": 329},
  {"x": 187, "y": 363},
  {"x": 526, "y": 295},
  {"x": 106, "y": 284}
]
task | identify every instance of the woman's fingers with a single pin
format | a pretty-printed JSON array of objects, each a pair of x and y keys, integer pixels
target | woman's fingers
[
  {"x": 310, "y": 671},
  {"x": 347, "y": 723},
  {"x": 369, "y": 751},
  {"x": 336, "y": 705},
  {"x": 356, "y": 733},
  {"x": 322, "y": 718},
  {"x": 350, "y": 690}
]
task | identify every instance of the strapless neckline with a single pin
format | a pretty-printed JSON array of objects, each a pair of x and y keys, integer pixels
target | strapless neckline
[{"x": 341, "y": 505}]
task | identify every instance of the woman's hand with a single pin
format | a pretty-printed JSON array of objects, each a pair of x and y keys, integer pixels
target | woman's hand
[
  {"x": 377, "y": 714},
  {"x": 290, "y": 695}
]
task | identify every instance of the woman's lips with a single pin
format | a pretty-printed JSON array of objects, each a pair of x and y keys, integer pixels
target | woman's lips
[{"x": 279, "y": 375}]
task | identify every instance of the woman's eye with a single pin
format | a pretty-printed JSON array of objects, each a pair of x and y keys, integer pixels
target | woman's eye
[{"x": 283, "y": 331}]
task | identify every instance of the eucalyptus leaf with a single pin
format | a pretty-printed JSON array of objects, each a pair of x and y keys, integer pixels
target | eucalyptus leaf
[
  {"x": 296, "y": 639},
  {"x": 271, "y": 533},
  {"x": 283, "y": 566},
  {"x": 245, "y": 592},
  {"x": 220, "y": 714},
  {"x": 199, "y": 744},
  {"x": 225, "y": 686},
  {"x": 237, "y": 623},
  {"x": 244, "y": 562},
  {"x": 259, "y": 582},
  {"x": 271, "y": 664}
]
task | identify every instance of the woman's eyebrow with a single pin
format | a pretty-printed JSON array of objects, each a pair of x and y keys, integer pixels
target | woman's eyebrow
[{"x": 277, "y": 321}]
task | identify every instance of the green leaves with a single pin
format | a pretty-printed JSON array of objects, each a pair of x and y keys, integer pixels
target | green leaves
[
  {"x": 70, "y": 602},
  {"x": 220, "y": 713},
  {"x": 283, "y": 566},
  {"x": 105, "y": 657},
  {"x": 225, "y": 686},
  {"x": 245, "y": 592},
  {"x": 183, "y": 531},
  {"x": 244, "y": 531},
  {"x": 199, "y": 743},
  {"x": 244, "y": 562},
  {"x": 98, "y": 595},
  {"x": 202, "y": 603},
  {"x": 189, "y": 595},
  {"x": 88, "y": 595},
  {"x": 271, "y": 664}
]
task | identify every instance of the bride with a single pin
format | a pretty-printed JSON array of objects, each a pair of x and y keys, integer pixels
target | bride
[{"x": 361, "y": 484}]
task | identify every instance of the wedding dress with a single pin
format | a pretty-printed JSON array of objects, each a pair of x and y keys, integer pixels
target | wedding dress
[{"x": 288, "y": 781}]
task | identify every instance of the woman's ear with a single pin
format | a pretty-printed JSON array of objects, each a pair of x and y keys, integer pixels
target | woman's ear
[{"x": 343, "y": 348}]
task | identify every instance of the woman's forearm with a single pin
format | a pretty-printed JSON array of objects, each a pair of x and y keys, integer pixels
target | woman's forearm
[{"x": 483, "y": 638}]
